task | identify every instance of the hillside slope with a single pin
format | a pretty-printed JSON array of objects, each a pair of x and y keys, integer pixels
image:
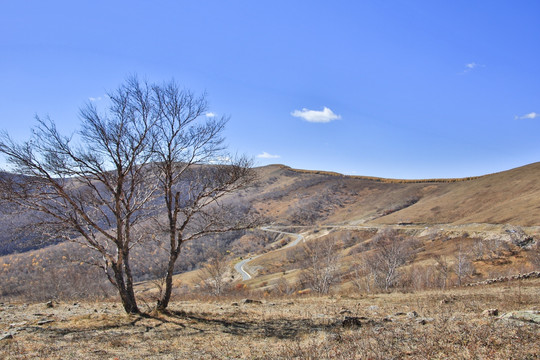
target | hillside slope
[{"x": 318, "y": 197}]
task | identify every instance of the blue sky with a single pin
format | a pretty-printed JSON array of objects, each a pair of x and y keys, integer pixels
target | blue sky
[{"x": 409, "y": 89}]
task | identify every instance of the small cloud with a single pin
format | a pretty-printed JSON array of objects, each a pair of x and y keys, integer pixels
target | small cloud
[
  {"x": 95, "y": 98},
  {"x": 471, "y": 66},
  {"x": 210, "y": 114},
  {"x": 532, "y": 115},
  {"x": 266, "y": 155},
  {"x": 323, "y": 116}
]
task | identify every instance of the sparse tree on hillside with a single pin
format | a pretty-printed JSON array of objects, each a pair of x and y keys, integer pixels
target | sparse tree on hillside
[
  {"x": 463, "y": 266},
  {"x": 391, "y": 252},
  {"x": 443, "y": 268},
  {"x": 363, "y": 274},
  {"x": 534, "y": 255},
  {"x": 322, "y": 270},
  {"x": 213, "y": 273}
]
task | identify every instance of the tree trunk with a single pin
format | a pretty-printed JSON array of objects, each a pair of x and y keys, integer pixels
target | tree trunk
[
  {"x": 166, "y": 297},
  {"x": 126, "y": 292}
]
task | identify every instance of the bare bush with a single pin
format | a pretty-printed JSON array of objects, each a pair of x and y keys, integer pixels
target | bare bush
[
  {"x": 322, "y": 265},
  {"x": 213, "y": 273},
  {"x": 391, "y": 252},
  {"x": 463, "y": 266}
]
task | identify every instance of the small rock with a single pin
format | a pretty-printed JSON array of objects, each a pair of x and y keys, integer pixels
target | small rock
[
  {"x": 400, "y": 314},
  {"x": 6, "y": 336},
  {"x": 387, "y": 319},
  {"x": 424, "y": 321},
  {"x": 15, "y": 325},
  {"x": 251, "y": 301},
  {"x": 350, "y": 321},
  {"x": 345, "y": 311},
  {"x": 529, "y": 316},
  {"x": 412, "y": 314},
  {"x": 235, "y": 304},
  {"x": 45, "y": 321},
  {"x": 49, "y": 304},
  {"x": 491, "y": 312},
  {"x": 373, "y": 308}
]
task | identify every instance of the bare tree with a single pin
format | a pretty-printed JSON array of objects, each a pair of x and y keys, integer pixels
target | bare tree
[
  {"x": 95, "y": 190},
  {"x": 322, "y": 270},
  {"x": 463, "y": 266},
  {"x": 151, "y": 148},
  {"x": 213, "y": 273},
  {"x": 392, "y": 251},
  {"x": 193, "y": 194},
  {"x": 443, "y": 268},
  {"x": 363, "y": 275},
  {"x": 534, "y": 254}
]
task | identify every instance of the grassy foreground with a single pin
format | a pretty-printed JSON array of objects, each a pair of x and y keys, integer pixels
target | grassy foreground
[{"x": 425, "y": 325}]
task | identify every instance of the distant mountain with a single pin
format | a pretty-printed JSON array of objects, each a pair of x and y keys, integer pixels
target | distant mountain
[{"x": 290, "y": 196}]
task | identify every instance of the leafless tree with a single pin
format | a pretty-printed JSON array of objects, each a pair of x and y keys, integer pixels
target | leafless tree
[
  {"x": 152, "y": 148},
  {"x": 214, "y": 272},
  {"x": 534, "y": 255},
  {"x": 391, "y": 252},
  {"x": 463, "y": 266},
  {"x": 443, "y": 268},
  {"x": 94, "y": 190},
  {"x": 193, "y": 194},
  {"x": 322, "y": 270},
  {"x": 363, "y": 274}
]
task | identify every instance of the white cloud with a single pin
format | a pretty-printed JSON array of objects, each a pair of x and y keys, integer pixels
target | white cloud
[
  {"x": 95, "y": 98},
  {"x": 532, "y": 115},
  {"x": 323, "y": 116},
  {"x": 266, "y": 155},
  {"x": 210, "y": 114},
  {"x": 471, "y": 66}
]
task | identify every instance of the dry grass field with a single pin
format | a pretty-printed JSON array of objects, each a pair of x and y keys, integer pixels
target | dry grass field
[{"x": 449, "y": 324}]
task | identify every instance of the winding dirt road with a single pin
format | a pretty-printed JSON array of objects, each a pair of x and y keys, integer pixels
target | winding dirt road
[{"x": 239, "y": 266}]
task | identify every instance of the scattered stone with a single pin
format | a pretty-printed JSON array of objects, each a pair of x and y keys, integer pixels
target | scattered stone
[
  {"x": 45, "y": 321},
  {"x": 345, "y": 311},
  {"x": 6, "y": 336},
  {"x": 49, "y": 304},
  {"x": 400, "y": 314},
  {"x": 424, "y": 321},
  {"x": 251, "y": 301},
  {"x": 15, "y": 325},
  {"x": 350, "y": 321},
  {"x": 387, "y": 319},
  {"x": 491, "y": 312},
  {"x": 530, "y": 316},
  {"x": 235, "y": 304},
  {"x": 412, "y": 314},
  {"x": 335, "y": 337},
  {"x": 447, "y": 301},
  {"x": 373, "y": 308}
]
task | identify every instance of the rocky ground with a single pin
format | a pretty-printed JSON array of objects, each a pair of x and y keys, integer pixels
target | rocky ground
[{"x": 485, "y": 322}]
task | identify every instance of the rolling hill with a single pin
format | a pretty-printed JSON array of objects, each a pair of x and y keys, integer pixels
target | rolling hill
[{"x": 353, "y": 209}]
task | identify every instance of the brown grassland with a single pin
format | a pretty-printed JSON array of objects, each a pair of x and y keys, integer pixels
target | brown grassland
[{"x": 429, "y": 324}]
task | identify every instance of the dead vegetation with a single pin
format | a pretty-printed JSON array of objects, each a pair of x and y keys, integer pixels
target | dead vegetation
[{"x": 448, "y": 324}]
